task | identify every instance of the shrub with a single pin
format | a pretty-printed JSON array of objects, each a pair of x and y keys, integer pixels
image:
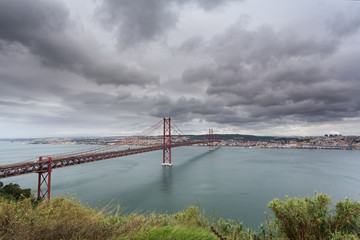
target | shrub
[
  {"x": 191, "y": 217},
  {"x": 312, "y": 218},
  {"x": 65, "y": 218},
  {"x": 58, "y": 219},
  {"x": 343, "y": 236},
  {"x": 347, "y": 217}
]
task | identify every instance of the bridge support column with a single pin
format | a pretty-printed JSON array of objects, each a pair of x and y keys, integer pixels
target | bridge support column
[
  {"x": 44, "y": 179},
  {"x": 167, "y": 143},
  {"x": 211, "y": 139}
]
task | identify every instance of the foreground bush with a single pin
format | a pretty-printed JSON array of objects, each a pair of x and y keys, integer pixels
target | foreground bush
[
  {"x": 312, "y": 218},
  {"x": 65, "y": 218}
]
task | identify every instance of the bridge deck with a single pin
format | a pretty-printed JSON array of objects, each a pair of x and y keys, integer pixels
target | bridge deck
[{"x": 22, "y": 168}]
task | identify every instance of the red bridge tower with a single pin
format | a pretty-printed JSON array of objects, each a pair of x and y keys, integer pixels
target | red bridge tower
[
  {"x": 211, "y": 139},
  {"x": 167, "y": 143}
]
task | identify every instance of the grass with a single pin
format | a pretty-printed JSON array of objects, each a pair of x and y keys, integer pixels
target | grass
[{"x": 177, "y": 233}]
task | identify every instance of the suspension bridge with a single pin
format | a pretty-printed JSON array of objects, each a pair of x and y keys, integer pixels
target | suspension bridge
[{"x": 139, "y": 143}]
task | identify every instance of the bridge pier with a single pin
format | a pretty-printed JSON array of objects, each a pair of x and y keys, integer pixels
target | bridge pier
[
  {"x": 44, "y": 179},
  {"x": 167, "y": 143}
]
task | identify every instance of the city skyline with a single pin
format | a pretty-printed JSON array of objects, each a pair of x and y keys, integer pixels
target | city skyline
[{"x": 110, "y": 68}]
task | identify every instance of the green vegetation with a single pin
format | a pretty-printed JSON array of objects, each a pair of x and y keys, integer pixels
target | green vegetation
[
  {"x": 65, "y": 218},
  {"x": 14, "y": 192},
  {"x": 312, "y": 218}
]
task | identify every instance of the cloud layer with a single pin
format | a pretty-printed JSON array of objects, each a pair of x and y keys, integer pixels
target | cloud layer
[
  {"x": 45, "y": 30},
  {"x": 146, "y": 20},
  {"x": 278, "y": 75},
  {"x": 57, "y": 78}
]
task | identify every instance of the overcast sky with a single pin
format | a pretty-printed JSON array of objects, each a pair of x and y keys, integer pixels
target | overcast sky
[{"x": 115, "y": 67}]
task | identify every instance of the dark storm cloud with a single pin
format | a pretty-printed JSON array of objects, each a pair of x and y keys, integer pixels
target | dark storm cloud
[
  {"x": 136, "y": 21},
  {"x": 186, "y": 109},
  {"x": 33, "y": 101},
  {"x": 265, "y": 46},
  {"x": 191, "y": 44},
  {"x": 206, "y": 4},
  {"x": 42, "y": 98},
  {"x": 45, "y": 30},
  {"x": 145, "y": 20},
  {"x": 267, "y": 75},
  {"x": 345, "y": 23}
]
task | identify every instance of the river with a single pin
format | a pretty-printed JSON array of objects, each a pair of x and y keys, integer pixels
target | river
[{"x": 232, "y": 183}]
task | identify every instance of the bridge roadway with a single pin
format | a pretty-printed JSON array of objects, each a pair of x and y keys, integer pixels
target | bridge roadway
[{"x": 22, "y": 168}]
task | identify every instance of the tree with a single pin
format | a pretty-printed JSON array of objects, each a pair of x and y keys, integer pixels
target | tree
[{"x": 15, "y": 191}]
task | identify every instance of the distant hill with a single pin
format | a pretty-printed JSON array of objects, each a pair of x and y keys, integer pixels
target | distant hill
[{"x": 237, "y": 137}]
